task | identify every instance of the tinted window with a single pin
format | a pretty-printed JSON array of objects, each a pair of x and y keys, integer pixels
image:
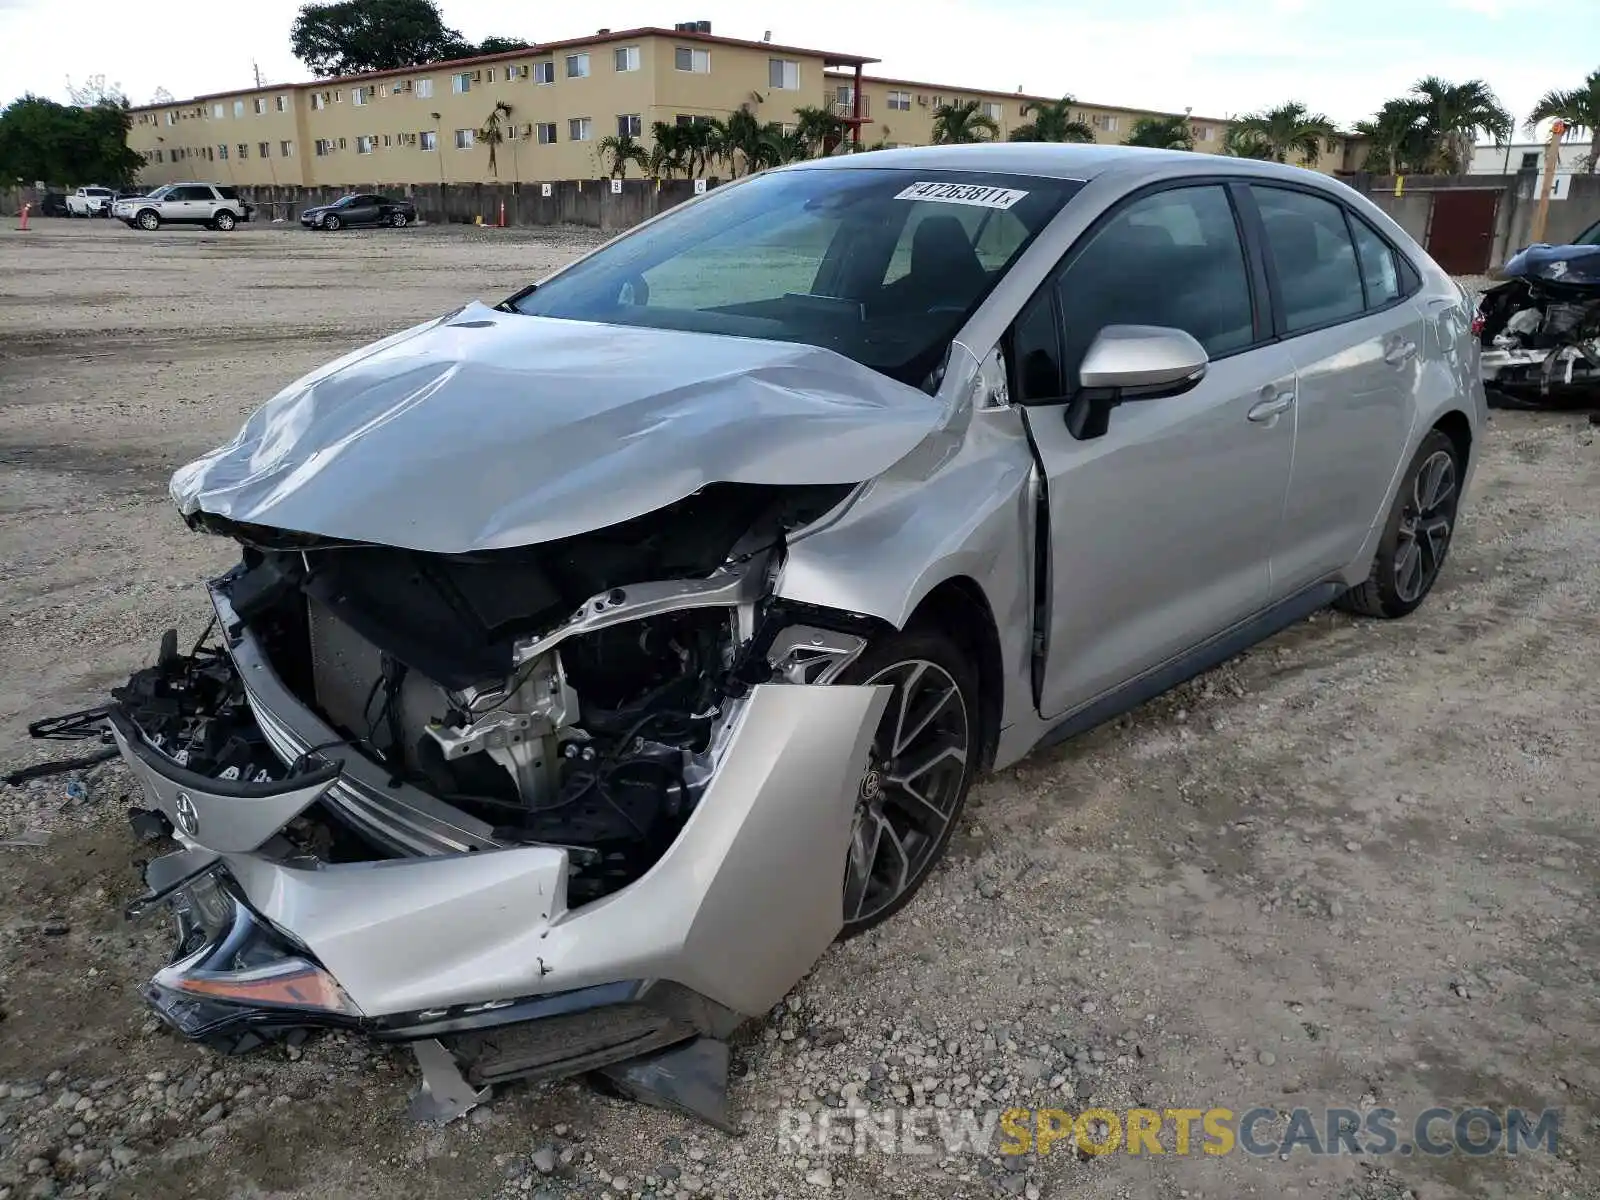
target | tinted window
[
  {"x": 864, "y": 261},
  {"x": 1318, "y": 281},
  {"x": 1590, "y": 236},
  {"x": 1378, "y": 267},
  {"x": 228, "y": 193},
  {"x": 1172, "y": 259},
  {"x": 189, "y": 193}
]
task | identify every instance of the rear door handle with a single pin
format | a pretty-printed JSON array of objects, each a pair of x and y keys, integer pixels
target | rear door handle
[
  {"x": 1274, "y": 404},
  {"x": 1400, "y": 353}
]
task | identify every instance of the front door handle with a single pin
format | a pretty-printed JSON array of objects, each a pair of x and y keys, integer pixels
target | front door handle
[
  {"x": 1274, "y": 404},
  {"x": 1400, "y": 353}
]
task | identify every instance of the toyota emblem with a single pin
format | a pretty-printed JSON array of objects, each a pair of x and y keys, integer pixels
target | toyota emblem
[{"x": 188, "y": 815}]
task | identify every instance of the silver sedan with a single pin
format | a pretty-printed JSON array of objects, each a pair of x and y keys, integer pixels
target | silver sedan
[{"x": 596, "y": 658}]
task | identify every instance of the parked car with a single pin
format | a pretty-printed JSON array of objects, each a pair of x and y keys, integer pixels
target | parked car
[
  {"x": 89, "y": 202},
  {"x": 363, "y": 208},
  {"x": 54, "y": 204},
  {"x": 651, "y": 625},
  {"x": 216, "y": 206}
]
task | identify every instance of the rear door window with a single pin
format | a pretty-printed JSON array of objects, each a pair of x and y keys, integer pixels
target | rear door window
[
  {"x": 1378, "y": 269},
  {"x": 1319, "y": 282}
]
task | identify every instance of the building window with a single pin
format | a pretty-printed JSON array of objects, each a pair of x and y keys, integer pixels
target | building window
[
  {"x": 222, "y": 153},
  {"x": 264, "y": 149},
  {"x": 238, "y": 108},
  {"x": 461, "y": 83},
  {"x": 513, "y": 132},
  {"x": 364, "y": 144},
  {"x": 424, "y": 89},
  {"x": 627, "y": 58},
  {"x": 546, "y": 133},
  {"x": 900, "y": 101},
  {"x": 544, "y": 72},
  {"x": 358, "y": 97},
  {"x": 577, "y": 66},
  {"x": 428, "y": 140},
  {"x": 580, "y": 129},
  {"x": 155, "y": 156},
  {"x": 261, "y": 106},
  {"x": 172, "y": 118},
  {"x": 993, "y": 111},
  {"x": 387, "y": 142},
  {"x": 683, "y": 119},
  {"x": 464, "y": 139},
  {"x": 324, "y": 147},
  {"x": 630, "y": 125},
  {"x": 783, "y": 73},
  {"x": 1530, "y": 161},
  {"x": 244, "y": 150},
  {"x": 285, "y": 149},
  {"x": 685, "y": 58},
  {"x": 1105, "y": 122},
  {"x": 282, "y": 103},
  {"x": 319, "y": 101},
  {"x": 217, "y": 111}
]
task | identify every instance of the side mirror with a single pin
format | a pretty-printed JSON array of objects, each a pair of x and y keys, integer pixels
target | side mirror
[
  {"x": 1142, "y": 362},
  {"x": 1131, "y": 362}
]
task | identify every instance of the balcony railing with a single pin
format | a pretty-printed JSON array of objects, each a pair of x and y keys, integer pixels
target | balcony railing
[{"x": 846, "y": 108}]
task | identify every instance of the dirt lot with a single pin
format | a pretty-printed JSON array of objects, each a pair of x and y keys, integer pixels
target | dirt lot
[{"x": 1356, "y": 867}]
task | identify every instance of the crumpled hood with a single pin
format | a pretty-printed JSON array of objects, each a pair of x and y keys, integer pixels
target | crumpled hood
[{"x": 485, "y": 430}]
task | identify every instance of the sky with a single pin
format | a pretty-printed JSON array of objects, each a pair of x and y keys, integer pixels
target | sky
[{"x": 1218, "y": 58}]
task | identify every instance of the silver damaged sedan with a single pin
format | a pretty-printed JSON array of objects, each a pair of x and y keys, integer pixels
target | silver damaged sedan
[{"x": 595, "y": 659}]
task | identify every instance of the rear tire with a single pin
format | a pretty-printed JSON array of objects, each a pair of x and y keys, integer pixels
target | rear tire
[
  {"x": 399, "y": 220},
  {"x": 1416, "y": 538},
  {"x": 924, "y": 758}
]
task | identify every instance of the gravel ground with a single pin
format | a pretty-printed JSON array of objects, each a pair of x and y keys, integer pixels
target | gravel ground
[{"x": 1356, "y": 866}]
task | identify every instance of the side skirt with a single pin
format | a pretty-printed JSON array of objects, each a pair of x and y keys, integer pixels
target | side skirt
[{"x": 1192, "y": 662}]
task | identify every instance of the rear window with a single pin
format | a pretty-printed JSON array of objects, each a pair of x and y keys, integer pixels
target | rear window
[
  {"x": 228, "y": 193},
  {"x": 97, "y": 191},
  {"x": 881, "y": 265}
]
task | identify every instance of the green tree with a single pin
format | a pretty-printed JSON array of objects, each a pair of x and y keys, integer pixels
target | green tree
[
  {"x": 493, "y": 136},
  {"x": 1579, "y": 108},
  {"x": 701, "y": 144},
  {"x": 963, "y": 122},
  {"x": 822, "y": 129},
  {"x": 1052, "y": 122},
  {"x": 738, "y": 142},
  {"x": 1289, "y": 129},
  {"x": 347, "y": 37},
  {"x": 501, "y": 45},
  {"x": 622, "y": 149},
  {"x": 1238, "y": 142},
  {"x": 1396, "y": 137},
  {"x": 64, "y": 144},
  {"x": 668, "y": 152},
  {"x": 778, "y": 147},
  {"x": 1162, "y": 133},
  {"x": 1453, "y": 116}
]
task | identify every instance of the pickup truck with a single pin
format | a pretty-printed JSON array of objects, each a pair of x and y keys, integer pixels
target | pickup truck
[{"x": 89, "y": 202}]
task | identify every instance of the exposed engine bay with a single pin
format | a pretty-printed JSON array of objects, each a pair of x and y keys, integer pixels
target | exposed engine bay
[
  {"x": 1540, "y": 330},
  {"x": 543, "y": 690}
]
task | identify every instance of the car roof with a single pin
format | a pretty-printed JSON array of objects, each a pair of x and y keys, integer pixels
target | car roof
[{"x": 1057, "y": 160}]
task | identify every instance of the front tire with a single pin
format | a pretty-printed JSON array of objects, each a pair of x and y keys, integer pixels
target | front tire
[
  {"x": 331, "y": 223},
  {"x": 148, "y": 220},
  {"x": 924, "y": 757},
  {"x": 1416, "y": 538},
  {"x": 224, "y": 221}
]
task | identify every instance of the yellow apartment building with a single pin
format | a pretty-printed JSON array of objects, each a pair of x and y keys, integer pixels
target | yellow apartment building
[{"x": 420, "y": 125}]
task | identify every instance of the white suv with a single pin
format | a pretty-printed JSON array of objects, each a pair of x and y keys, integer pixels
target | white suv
[
  {"x": 212, "y": 205},
  {"x": 89, "y": 202}
]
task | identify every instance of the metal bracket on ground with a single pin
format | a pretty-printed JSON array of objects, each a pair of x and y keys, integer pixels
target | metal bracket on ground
[{"x": 444, "y": 1094}]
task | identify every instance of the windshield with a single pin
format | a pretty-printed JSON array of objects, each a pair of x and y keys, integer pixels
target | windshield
[
  {"x": 345, "y": 201},
  {"x": 159, "y": 192},
  {"x": 882, "y": 265},
  {"x": 1590, "y": 236}
]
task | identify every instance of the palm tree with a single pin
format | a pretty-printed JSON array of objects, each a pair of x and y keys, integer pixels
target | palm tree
[
  {"x": 1245, "y": 143},
  {"x": 622, "y": 149},
  {"x": 1052, "y": 122},
  {"x": 667, "y": 152},
  {"x": 739, "y": 139},
  {"x": 1288, "y": 129},
  {"x": 963, "y": 122},
  {"x": 699, "y": 143},
  {"x": 1579, "y": 108},
  {"x": 492, "y": 136},
  {"x": 821, "y": 129},
  {"x": 1162, "y": 133},
  {"x": 1396, "y": 136},
  {"x": 779, "y": 147},
  {"x": 1453, "y": 116}
]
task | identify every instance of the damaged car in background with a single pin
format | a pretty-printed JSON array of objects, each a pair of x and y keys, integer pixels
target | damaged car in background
[
  {"x": 593, "y": 660},
  {"x": 1540, "y": 327}
]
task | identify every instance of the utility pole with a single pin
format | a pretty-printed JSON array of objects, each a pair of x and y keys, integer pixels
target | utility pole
[
  {"x": 1552, "y": 155},
  {"x": 254, "y": 66}
]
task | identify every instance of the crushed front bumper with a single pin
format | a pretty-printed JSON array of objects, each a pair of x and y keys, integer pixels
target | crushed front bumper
[{"x": 461, "y": 934}]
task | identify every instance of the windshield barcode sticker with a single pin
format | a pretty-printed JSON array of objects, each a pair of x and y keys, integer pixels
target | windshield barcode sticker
[{"x": 963, "y": 193}]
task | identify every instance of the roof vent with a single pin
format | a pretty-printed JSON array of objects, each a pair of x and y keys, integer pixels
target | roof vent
[
  {"x": 767, "y": 36},
  {"x": 702, "y": 26},
  {"x": 602, "y": 31}
]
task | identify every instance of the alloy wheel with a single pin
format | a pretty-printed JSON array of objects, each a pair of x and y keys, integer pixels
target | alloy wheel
[
  {"x": 398, "y": 220},
  {"x": 911, "y": 788},
  {"x": 1425, "y": 526}
]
